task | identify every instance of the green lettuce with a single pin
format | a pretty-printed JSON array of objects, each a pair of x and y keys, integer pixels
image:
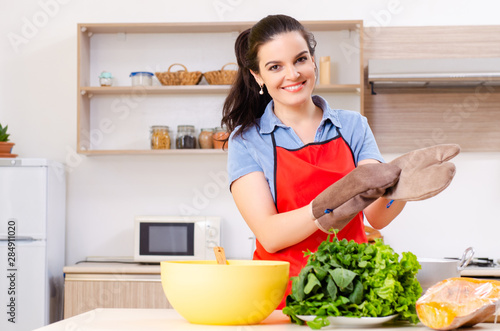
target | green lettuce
[{"x": 344, "y": 278}]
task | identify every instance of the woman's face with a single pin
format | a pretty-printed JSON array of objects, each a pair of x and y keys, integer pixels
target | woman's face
[{"x": 287, "y": 69}]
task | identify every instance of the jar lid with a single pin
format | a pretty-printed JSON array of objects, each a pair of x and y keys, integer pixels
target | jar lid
[
  {"x": 207, "y": 129},
  {"x": 159, "y": 127},
  {"x": 185, "y": 127},
  {"x": 141, "y": 73},
  {"x": 105, "y": 74}
]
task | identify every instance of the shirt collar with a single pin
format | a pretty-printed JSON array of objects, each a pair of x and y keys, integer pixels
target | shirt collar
[{"x": 269, "y": 121}]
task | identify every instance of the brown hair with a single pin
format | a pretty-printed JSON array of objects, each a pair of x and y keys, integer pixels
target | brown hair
[{"x": 244, "y": 105}]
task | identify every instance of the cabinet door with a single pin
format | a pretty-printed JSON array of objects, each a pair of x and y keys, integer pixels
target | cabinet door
[{"x": 88, "y": 292}]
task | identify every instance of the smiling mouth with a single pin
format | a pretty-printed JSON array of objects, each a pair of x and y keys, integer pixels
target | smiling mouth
[{"x": 294, "y": 88}]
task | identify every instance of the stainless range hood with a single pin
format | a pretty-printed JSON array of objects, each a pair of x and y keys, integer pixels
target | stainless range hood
[{"x": 466, "y": 72}]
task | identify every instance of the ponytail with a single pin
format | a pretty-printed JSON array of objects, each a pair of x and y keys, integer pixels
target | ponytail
[{"x": 243, "y": 104}]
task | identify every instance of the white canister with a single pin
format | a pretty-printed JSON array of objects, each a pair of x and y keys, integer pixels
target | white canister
[{"x": 142, "y": 78}]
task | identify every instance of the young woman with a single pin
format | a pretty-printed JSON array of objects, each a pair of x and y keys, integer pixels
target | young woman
[{"x": 287, "y": 146}]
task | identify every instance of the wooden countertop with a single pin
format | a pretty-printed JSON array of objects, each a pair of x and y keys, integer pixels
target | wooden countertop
[
  {"x": 112, "y": 268},
  {"x": 154, "y": 269},
  {"x": 168, "y": 319}
]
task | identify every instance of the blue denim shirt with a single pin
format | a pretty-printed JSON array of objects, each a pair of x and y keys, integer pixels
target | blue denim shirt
[{"x": 254, "y": 150}]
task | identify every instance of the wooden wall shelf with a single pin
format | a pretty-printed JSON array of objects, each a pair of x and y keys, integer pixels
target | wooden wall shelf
[{"x": 119, "y": 47}]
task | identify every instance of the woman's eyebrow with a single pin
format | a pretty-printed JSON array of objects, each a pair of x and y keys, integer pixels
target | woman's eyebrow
[{"x": 296, "y": 56}]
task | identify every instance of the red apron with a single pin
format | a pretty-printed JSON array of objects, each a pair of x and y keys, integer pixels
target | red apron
[{"x": 300, "y": 175}]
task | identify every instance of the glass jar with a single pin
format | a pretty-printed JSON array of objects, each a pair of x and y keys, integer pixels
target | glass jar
[
  {"x": 205, "y": 138},
  {"x": 142, "y": 78},
  {"x": 105, "y": 79},
  {"x": 220, "y": 137},
  {"x": 160, "y": 138},
  {"x": 185, "y": 137}
]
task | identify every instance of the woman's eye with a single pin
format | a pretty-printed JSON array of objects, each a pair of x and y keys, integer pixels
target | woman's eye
[
  {"x": 274, "y": 67},
  {"x": 302, "y": 59}
]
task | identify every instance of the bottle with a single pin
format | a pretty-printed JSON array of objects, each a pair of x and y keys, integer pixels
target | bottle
[
  {"x": 205, "y": 138},
  {"x": 105, "y": 79},
  {"x": 185, "y": 137},
  {"x": 219, "y": 138},
  {"x": 324, "y": 70},
  {"x": 160, "y": 138}
]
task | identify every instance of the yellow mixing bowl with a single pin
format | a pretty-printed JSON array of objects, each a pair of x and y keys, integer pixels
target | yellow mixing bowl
[{"x": 240, "y": 293}]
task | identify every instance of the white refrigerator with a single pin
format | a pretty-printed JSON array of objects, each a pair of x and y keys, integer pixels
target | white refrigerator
[{"x": 32, "y": 243}]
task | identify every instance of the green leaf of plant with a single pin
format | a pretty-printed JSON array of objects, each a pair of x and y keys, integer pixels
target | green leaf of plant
[
  {"x": 331, "y": 288},
  {"x": 301, "y": 283},
  {"x": 342, "y": 277},
  {"x": 318, "y": 323},
  {"x": 363, "y": 264},
  {"x": 320, "y": 272},
  {"x": 357, "y": 294},
  {"x": 312, "y": 283}
]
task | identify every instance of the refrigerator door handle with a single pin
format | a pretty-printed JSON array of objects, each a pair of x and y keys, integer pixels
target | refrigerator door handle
[{"x": 10, "y": 163}]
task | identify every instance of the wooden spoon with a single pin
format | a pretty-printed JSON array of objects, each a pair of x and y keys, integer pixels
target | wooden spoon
[{"x": 220, "y": 255}]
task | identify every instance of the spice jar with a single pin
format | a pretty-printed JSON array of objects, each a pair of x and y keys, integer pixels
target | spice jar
[
  {"x": 185, "y": 137},
  {"x": 205, "y": 138},
  {"x": 160, "y": 138},
  {"x": 105, "y": 79},
  {"x": 219, "y": 137}
]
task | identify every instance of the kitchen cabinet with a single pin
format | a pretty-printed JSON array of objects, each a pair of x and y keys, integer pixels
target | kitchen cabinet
[
  {"x": 88, "y": 286},
  {"x": 404, "y": 119},
  {"x": 116, "y": 119}
]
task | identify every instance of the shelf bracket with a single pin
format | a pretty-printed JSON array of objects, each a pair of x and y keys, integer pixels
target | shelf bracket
[{"x": 372, "y": 88}]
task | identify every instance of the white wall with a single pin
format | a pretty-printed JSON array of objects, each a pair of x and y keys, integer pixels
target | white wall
[{"x": 38, "y": 101}]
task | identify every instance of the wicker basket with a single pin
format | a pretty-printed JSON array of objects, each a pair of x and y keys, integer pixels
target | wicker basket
[
  {"x": 181, "y": 77},
  {"x": 221, "y": 77}
]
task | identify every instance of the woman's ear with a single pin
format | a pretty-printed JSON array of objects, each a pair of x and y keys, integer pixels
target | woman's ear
[{"x": 257, "y": 77}]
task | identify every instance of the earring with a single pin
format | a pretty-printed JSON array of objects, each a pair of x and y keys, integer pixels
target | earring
[{"x": 261, "y": 92}]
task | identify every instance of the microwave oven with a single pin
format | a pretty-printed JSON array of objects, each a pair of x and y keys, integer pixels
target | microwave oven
[{"x": 161, "y": 238}]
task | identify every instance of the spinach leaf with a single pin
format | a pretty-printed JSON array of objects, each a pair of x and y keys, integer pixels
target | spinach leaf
[
  {"x": 331, "y": 288},
  {"x": 312, "y": 283},
  {"x": 342, "y": 277},
  {"x": 356, "y": 296}
]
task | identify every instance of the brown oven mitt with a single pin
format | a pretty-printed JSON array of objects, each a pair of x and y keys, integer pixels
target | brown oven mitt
[
  {"x": 424, "y": 173},
  {"x": 340, "y": 202}
]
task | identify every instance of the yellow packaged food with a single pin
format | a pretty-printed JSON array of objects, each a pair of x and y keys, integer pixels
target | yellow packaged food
[{"x": 456, "y": 302}]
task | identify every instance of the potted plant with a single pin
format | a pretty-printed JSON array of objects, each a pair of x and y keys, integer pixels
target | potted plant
[{"x": 5, "y": 145}]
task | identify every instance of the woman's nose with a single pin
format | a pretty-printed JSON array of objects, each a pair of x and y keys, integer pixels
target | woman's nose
[{"x": 292, "y": 73}]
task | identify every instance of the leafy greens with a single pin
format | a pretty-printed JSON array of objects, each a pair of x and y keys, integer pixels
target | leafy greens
[{"x": 344, "y": 278}]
